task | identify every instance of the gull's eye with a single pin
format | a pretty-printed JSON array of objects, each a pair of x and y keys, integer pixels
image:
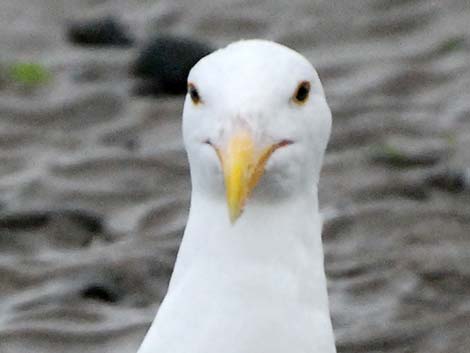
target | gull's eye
[
  {"x": 301, "y": 93},
  {"x": 194, "y": 94}
]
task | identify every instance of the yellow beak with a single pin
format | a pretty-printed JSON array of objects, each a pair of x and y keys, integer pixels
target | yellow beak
[{"x": 243, "y": 165}]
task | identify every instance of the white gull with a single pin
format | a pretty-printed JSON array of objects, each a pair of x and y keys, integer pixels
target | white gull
[{"x": 249, "y": 276}]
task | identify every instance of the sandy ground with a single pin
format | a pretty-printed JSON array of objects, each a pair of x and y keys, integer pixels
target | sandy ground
[{"x": 94, "y": 183}]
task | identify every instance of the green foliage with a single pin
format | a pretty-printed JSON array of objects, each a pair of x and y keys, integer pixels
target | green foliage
[
  {"x": 29, "y": 74},
  {"x": 390, "y": 151}
]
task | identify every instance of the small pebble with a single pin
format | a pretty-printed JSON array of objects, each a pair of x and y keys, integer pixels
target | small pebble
[
  {"x": 85, "y": 219},
  {"x": 88, "y": 220},
  {"x": 107, "y": 31},
  {"x": 100, "y": 292},
  {"x": 452, "y": 180},
  {"x": 23, "y": 220},
  {"x": 132, "y": 144}
]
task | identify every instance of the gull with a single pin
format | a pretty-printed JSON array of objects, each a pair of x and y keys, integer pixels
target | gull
[{"x": 249, "y": 275}]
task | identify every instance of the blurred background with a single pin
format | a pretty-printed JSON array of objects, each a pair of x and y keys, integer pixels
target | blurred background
[{"x": 94, "y": 182}]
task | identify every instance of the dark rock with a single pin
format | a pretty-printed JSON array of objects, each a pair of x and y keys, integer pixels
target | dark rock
[
  {"x": 31, "y": 230},
  {"x": 23, "y": 220},
  {"x": 132, "y": 144},
  {"x": 88, "y": 220},
  {"x": 100, "y": 292},
  {"x": 28, "y": 219},
  {"x": 452, "y": 180},
  {"x": 106, "y": 31},
  {"x": 164, "y": 63}
]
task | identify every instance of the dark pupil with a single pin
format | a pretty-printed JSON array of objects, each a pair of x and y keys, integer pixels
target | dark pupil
[
  {"x": 194, "y": 94},
  {"x": 302, "y": 93}
]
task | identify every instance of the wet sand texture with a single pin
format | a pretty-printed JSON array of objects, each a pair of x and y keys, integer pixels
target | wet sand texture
[{"x": 94, "y": 183}]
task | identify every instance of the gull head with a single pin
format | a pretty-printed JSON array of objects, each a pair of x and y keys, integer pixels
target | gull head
[{"x": 255, "y": 125}]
